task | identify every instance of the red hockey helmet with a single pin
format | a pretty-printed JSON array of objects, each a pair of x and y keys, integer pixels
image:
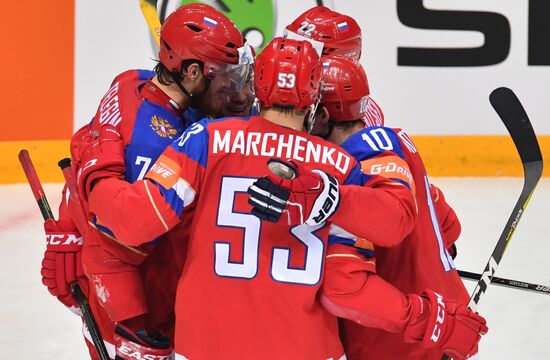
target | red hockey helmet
[
  {"x": 346, "y": 92},
  {"x": 288, "y": 74},
  {"x": 340, "y": 34},
  {"x": 198, "y": 31}
]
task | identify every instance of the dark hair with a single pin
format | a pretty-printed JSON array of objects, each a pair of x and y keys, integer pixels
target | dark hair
[
  {"x": 288, "y": 110},
  {"x": 345, "y": 125},
  {"x": 163, "y": 74},
  {"x": 320, "y": 108}
]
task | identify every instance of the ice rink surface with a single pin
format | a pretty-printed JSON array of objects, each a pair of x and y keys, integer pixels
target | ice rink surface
[{"x": 33, "y": 325}]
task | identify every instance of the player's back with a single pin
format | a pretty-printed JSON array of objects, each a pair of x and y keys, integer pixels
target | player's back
[
  {"x": 148, "y": 122},
  {"x": 249, "y": 288},
  {"x": 420, "y": 261}
]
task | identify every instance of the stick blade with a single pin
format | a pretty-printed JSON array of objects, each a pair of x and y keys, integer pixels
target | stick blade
[{"x": 514, "y": 117}]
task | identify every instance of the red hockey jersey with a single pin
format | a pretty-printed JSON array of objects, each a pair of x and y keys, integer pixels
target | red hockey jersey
[
  {"x": 418, "y": 262},
  {"x": 249, "y": 288}
]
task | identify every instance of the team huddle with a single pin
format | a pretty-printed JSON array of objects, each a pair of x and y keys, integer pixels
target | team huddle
[{"x": 234, "y": 206}]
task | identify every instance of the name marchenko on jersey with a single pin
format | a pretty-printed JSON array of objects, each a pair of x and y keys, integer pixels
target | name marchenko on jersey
[{"x": 284, "y": 146}]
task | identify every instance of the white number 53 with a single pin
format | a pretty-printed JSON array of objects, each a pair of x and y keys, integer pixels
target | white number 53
[{"x": 286, "y": 80}]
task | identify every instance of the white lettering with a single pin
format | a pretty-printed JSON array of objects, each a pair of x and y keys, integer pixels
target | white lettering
[
  {"x": 64, "y": 239},
  {"x": 264, "y": 151},
  {"x": 342, "y": 162},
  {"x": 407, "y": 141},
  {"x": 327, "y": 156},
  {"x": 73, "y": 239},
  {"x": 109, "y": 110},
  {"x": 252, "y": 143},
  {"x": 285, "y": 146},
  {"x": 440, "y": 318},
  {"x": 221, "y": 144},
  {"x": 313, "y": 152},
  {"x": 299, "y": 148},
  {"x": 238, "y": 143},
  {"x": 162, "y": 171}
]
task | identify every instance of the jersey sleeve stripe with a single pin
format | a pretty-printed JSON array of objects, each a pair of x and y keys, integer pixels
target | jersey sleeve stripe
[
  {"x": 107, "y": 233},
  {"x": 178, "y": 175},
  {"x": 344, "y": 255},
  {"x": 155, "y": 206},
  {"x": 332, "y": 240},
  {"x": 185, "y": 192}
]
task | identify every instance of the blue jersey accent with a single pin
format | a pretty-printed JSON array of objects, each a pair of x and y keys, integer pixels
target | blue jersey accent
[
  {"x": 145, "y": 74},
  {"x": 243, "y": 118},
  {"x": 333, "y": 239},
  {"x": 192, "y": 115},
  {"x": 379, "y": 140},
  {"x": 155, "y": 128},
  {"x": 172, "y": 198},
  {"x": 194, "y": 142},
  {"x": 355, "y": 176}
]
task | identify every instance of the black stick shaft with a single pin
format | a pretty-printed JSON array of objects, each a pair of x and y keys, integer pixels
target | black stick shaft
[
  {"x": 514, "y": 284},
  {"x": 79, "y": 296}
]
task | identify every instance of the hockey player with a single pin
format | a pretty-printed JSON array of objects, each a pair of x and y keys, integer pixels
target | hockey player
[
  {"x": 203, "y": 63},
  {"x": 333, "y": 33},
  {"x": 248, "y": 289},
  {"x": 336, "y": 34},
  {"x": 426, "y": 326}
]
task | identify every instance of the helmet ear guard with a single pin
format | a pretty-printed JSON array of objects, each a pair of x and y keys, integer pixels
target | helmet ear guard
[{"x": 346, "y": 88}]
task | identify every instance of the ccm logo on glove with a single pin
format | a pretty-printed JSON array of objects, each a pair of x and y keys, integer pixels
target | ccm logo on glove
[
  {"x": 439, "y": 319},
  {"x": 63, "y": 239}
]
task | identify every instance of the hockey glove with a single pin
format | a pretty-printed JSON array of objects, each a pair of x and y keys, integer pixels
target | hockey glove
[
  {"x": 293, "y": 195},
  {"x": 437, "y": 322},
  {"x": 62, "y": 263},
  {"x": 138, "y": 345},
  {"x": 100, "y": 155}
]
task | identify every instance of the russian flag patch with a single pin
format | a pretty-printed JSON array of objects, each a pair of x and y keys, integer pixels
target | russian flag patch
[
  {"x": 343, "y": 26},
  {"x": 209, "y": 21},
  {"x": 326, "y": 65}
]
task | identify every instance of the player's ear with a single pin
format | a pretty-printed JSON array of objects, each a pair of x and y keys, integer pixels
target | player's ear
[
  {"x": 323, "y": 115},
  {"x": 193, "y": 72}
]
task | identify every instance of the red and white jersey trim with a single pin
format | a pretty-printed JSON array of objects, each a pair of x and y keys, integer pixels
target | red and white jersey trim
[{"x": 373, "y": 114}]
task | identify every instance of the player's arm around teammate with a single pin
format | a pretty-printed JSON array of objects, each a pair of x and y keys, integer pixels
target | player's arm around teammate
[
  {"x": 131, "y": 136},
  {"x": 352, "y": 290}
]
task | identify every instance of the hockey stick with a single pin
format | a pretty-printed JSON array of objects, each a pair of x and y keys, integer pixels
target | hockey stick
[
  {"x": 40, "y": 196},
  {"x": 149, "y": 11},
  {"x": 513, "y": 284},
  {"x": 78, "y": 214},
  {"x": 36, "y": 187},
  {"x": 514, "y": 117},
  {"x": 65, "y": 165}
]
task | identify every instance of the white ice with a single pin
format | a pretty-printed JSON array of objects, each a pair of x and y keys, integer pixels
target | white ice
[{"x": 33, "y": 325}]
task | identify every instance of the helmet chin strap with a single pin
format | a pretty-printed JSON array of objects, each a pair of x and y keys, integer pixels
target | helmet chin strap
[
  {"x": 257, "y": 106},
  {"x": 193, "y": 96},
  {"x": 311, "y": 115}
]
